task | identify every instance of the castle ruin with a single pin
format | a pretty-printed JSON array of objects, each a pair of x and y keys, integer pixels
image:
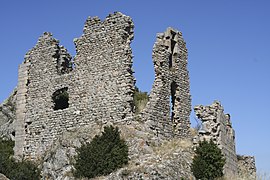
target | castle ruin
[
  {"x": 57, "y": 93},
  {"x": 218, "y": 126},
  {"x": 98, "y": 85}
]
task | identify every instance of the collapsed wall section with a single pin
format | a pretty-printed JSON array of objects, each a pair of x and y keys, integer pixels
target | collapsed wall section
[
  {"x": 55, "y": 95},
  {"x": 169, "y": 106},
  {"x": 246, "y": 167},
  {"x": 217, "y": 126}
]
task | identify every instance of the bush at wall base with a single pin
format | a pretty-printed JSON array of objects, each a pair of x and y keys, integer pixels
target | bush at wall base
[
  {"x": 24, "y": 170},
  {"x": 104, "y": 154},
  {"x": 208, "y": 161}
]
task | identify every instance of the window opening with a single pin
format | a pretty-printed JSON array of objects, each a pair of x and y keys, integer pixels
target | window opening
[
  {"x": 173, "y": 42},
  {"x": 172, "y": 99},
  {"x": 60, "y": 99}
]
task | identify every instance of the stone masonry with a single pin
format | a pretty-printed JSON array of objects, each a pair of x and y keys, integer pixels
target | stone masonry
[
  {"x": 58, "y": 94},
  {"x": 171, "y": 84},
  {"x": 217, "y": 126},
  {"x": 100, "y": 84},
  {"x": 246, "y": 167}
]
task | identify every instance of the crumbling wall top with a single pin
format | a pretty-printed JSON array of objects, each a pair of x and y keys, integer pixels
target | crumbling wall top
[
  {"x": 167, "y": 112},
  {"x": 246, "y": 167},
  {"x": 217, "y": 126},
  {"x": 100, "y": 88}
]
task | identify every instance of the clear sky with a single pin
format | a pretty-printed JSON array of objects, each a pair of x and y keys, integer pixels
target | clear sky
[{"x": 228, "y": 43}]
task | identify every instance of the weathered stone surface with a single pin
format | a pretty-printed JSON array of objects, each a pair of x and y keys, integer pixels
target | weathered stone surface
[
  {"x": 3, "y": 177},
  {"x": 7, "y": 116},
  {"x": 246, "y": 167},
  {"x": 100, "y": 85},
  {"x": 97, "y": 89},
  {"x": 171, "y": 84},
  {"x": 217, "y": 126},
  {"x": 148, "y": 159}
]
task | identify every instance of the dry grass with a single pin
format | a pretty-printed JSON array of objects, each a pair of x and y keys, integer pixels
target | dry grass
[
  {"x": 169, "y": 147},
  {"x": 194, "y": 132}
]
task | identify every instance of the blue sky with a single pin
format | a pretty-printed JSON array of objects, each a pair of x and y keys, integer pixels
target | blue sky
[{"x": 228, "y": 44}]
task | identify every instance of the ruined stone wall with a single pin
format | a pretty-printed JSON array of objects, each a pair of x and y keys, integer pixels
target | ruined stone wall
[
  {"x": 217, "y": 126},
  {"x": 171, "y": 86},
  {"x": 100, "y": 84},
  {"x": 246, "y": 167}
]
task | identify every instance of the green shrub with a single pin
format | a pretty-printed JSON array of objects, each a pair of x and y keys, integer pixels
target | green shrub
[
  {"x": 208, "y": 161},
  {"x": 6, "y": 151},
  {"x": 103, "y": 155},
  {"x": 24, "y": 170}
]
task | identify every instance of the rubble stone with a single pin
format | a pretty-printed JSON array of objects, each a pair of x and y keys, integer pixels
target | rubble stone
[
  {"x": 246, "y": 167},
  {"x": 217, "y": 126}
]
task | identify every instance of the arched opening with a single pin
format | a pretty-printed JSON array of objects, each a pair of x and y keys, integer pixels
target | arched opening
[{"x": 173, "y": 42}]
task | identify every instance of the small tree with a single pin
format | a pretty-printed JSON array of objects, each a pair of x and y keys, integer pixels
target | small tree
[
  {"x": 103, "y": 155},
  {"x": 208, "y": 161},
  {"x": 6, "y": 151}
]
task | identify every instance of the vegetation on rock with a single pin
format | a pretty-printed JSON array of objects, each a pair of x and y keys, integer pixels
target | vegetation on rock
[
  {"x": 208, "y": 161},
  {"x": 104, "y": 154},
  {"x": 140, "y": 100},
  {"x": 24, "y": 170}
]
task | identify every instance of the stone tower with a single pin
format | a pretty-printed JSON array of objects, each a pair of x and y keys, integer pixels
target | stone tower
[{"x": 167, "y": 112}]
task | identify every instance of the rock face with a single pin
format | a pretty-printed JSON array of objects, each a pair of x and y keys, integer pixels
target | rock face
[
  {"x": 246, "y": 167},
  {"x": 3, "y": 177},
  {"x": 7, "y": 116},
  {"x": 148, "y": 159}
]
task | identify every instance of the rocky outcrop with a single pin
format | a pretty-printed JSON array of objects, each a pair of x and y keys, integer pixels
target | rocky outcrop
[
  {"x": 148, "y": 159},
  {"x": 3, "y": 177},
  {"x": 7, "y": 116}
]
